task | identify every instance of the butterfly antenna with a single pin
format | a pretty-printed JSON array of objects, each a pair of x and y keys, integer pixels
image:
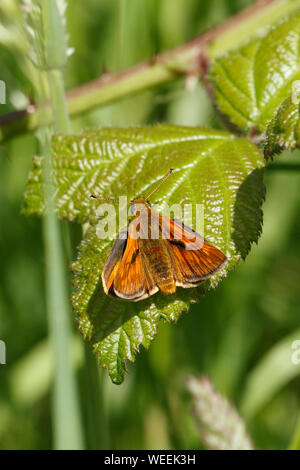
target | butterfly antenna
[
  {"x": 160, "y": 183},
  {"x": 95, "y": 196}
]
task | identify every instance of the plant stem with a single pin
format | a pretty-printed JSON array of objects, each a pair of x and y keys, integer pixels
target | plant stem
[
  {"x": 61, "y": 119},
  {"x": 67, "y": 429},
  {"x": 94, "y": 429},
  {"x": 183, "y": 60},
  {"x": 66, "y": 417},
  {"x": 66, "y": 414}
]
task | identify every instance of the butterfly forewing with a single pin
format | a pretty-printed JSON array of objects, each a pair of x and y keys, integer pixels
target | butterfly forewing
[
  {"x": 114, "y": 260},
  {"x": 124, "y": 274},
  {"x": 195, "y": 259}
]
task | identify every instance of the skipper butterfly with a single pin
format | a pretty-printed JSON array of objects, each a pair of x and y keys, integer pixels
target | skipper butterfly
[{"x": 140, "y": 264}]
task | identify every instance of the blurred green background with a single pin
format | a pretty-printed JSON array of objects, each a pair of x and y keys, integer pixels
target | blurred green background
[{"x": 226, "y": 336}]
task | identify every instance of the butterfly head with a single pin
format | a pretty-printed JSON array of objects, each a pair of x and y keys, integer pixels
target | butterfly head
[{"x": 140, "y": 204}]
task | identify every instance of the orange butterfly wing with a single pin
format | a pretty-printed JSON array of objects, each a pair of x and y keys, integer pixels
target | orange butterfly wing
[
  {"x": 124, "y": 274},
  {"x": 194, "y": 258},
  {"x": 113, "y": 261}
]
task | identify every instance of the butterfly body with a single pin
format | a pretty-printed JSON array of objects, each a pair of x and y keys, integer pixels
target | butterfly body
[
  {"x": 155, "y": 256},
  {"x": 157, "y": 260}
]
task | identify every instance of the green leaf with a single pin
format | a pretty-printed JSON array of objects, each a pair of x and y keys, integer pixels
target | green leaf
[
  {"x": 283, "y": 131},
  {"x": 213, "y": 168},
  {"x": 251, "y": 82}
]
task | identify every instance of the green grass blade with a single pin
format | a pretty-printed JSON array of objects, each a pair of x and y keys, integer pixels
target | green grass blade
[{"x": 272, "y": 373}]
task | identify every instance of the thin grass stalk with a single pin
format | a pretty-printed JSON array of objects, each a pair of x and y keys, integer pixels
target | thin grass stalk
[
  {"x": 48, "y": 42},
  {"x": 94, "y": 430}
]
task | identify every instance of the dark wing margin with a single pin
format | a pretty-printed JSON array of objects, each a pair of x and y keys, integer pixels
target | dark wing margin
[{"x": 114, "y": 260}]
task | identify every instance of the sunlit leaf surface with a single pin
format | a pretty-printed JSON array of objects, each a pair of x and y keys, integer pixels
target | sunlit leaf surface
[
  {"x": 283, "y": 131},
  {"x": 251, "y": 82},
  {"x": 213, "y": 168}
]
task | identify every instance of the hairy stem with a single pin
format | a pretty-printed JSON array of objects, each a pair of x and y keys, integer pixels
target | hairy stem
[
  {"x": 192, "y": 57},
  {"x": 61, "y": 119},
  {"x": 67, "y": 429}
]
